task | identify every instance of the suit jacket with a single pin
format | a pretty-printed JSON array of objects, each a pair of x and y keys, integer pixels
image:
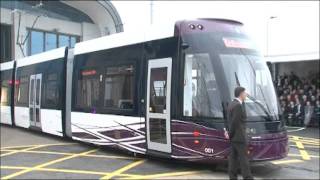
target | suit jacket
[{"x": 236, "y": 116}]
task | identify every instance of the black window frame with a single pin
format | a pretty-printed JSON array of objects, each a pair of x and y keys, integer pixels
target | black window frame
[
  {"x": 79, "y": 77},
  {"x": 101, "y": 109},
  {"x": 17, "y": 86},
  {"x": 7, "y": 80},
  {"x": 45, "y": 83},
  {"x": 29, "y": 30},
  {"x": 6, "y": 43},
  {"x": 44, "y": 68},
  {"x": 117, "y": 110}
]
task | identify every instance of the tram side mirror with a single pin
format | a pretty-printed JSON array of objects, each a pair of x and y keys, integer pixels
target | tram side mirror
[{"x": 185, "y": 45}]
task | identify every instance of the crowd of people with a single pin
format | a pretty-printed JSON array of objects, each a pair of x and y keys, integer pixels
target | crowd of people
[{"x": 299, "y": 99}]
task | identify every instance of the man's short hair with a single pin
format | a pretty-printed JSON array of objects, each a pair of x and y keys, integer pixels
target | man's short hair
[{"x": 238, "y": 91}]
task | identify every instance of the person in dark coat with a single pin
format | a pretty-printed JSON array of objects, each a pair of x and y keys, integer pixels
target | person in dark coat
[
  {"x": 291, "y": 114},
  {"x": 299, "y": 113},
  {"x": 236, "y": 116}
]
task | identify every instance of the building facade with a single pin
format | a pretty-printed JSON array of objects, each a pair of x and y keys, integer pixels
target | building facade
[{"x": 31, "y": 27}]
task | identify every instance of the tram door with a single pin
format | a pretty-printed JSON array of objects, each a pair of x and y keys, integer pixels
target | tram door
[
  {"x": 35, "y": 99},
  {"x": 158, "y": 105}
]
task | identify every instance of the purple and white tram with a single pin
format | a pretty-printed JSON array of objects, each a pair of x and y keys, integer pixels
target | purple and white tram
[{"x": 163, "y": 92}]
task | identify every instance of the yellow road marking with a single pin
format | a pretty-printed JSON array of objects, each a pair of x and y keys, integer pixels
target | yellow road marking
[
  {"x": 123, "y": 169},
  {"x": 306, "y": 141},
  {"x": 310, "y": 143},
  {"x": 304, "y": 154},
  {"x": 47, "y": 164},
  {"x": 299, "y": 155},
  {"x": 87, "y": 155},
  {"x": 161, "y": 175},
  {"x": 56, "y": 144},
  {"x": 308, "y": 146},
  {"x": 301, "y": 137},
  {"x": 287, "y": 161},
  {"x": 13, "y": 167},
  {"x": 23, "y": 150},
  {"x": 299, "y": 145},
  {"x": 63, "y": 170}
]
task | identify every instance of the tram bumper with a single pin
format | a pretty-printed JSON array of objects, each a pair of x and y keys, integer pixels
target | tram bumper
[{"x": 268, "y": 147}]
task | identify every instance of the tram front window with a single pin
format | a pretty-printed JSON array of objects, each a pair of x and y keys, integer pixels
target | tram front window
[
  {"x": 232, "y": 57},
  {"x": 251, "y": 72},
  {"x": 201, "y": 94}
]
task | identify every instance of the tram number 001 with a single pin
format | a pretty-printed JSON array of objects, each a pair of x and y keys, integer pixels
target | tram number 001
[{"x": 208, "y": 150}]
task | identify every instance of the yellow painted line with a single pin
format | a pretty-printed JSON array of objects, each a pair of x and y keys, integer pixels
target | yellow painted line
[
  {"x": 301, "y": 137},
  {"x": 305, "y": 155},
  {"x": 87, "y": 155},
  {"x": 23, "y": 150},
  {"x": 307, "y": 142},
  {"x": 41, "y": 152},
  {"x": 13, "y": 167},
  {"x": 7, "y": 150},
  {"x": 287, "y": 161},
  {"x": 162, "y": 175},
  {"x": 304, "y": 138},
  {"x": 111, "y": 157},
  {"x": 308, "y": 146},
  {"x": 123, "y": 169},
  {"x": 22, "y": 146},
  {"x": 299, "y": 145},
  {"x": 299, "y": 155},
  {"x": 63, "y": 170},
  {"x": 47, "y": 164}
]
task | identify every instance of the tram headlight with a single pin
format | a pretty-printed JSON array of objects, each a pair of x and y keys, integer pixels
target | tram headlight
[
  {"x": 199, "y": 26},
  {"x": 192, "y": 26}
]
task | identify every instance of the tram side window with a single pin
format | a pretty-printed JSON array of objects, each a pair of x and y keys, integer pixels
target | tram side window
[
  {"x": 51, "y": 91},
  {"x": 88, "y": 87},
  {"x": 5, "y": 92},
  {"x": 22, "y": 91},
  {"x": 119, "y": 87},
  {"x": 201, "y": 94},
  {"x": 158, "y": 89}
]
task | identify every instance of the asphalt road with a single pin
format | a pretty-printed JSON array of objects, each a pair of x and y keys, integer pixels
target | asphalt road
[{"x": 31, "y": 155}]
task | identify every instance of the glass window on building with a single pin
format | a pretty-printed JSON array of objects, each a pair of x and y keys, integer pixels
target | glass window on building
[
  {"x": 37, "y": 42},
  {"x": 64, "y": 40},
  {"x": 41, "y": 41},
  {"x": 5, "y": 43},
  {"x": 73, "y": 41},
  {"x": 51, "y": 41}
]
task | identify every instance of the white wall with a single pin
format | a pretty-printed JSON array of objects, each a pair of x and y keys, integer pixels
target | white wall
[
  {"x": 5, "y": 16},
  {"x": 86, "y": 31},
  {"x": 90, "y": 31}
]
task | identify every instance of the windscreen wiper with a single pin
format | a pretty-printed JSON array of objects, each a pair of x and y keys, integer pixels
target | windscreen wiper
[
  {"x": 253, "y": 99},
  {"x": 248, "y": 59}
]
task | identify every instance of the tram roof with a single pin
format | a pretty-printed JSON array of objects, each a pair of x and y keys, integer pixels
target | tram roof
[
  {"x": 42, "y": 57},
  {"x": 6, "y": 65},
  {"x": 144, "y": 34}
]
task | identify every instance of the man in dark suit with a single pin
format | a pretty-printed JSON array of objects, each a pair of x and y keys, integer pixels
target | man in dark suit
[{"x": 237, "y": 135}]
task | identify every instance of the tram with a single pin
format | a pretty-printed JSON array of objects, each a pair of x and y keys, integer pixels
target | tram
[{"x": 163, "y": 92}]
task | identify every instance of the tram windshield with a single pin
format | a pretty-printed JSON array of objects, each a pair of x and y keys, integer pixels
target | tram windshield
[
  {"x": 251, "y": 72},
  {"x": 232, "y": 57}
]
